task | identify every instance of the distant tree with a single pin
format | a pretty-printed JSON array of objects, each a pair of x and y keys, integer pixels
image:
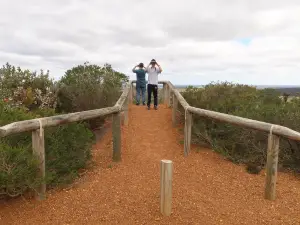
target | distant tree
[{"x": 285, "y": 96}]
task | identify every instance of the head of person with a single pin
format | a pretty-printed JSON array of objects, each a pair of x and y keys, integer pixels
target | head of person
[
  {"x": 141, "y": 65},
  {"x": 153, "y": 62}
]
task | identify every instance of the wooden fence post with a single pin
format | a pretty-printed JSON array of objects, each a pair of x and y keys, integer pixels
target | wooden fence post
[
  {"x": 126, "y": 108},
  {"x": 271, "y": 168},
  {"x": 132, "y": 91},
  {"x": 169, "y": 96},
  {"x": 116, "y": 132},
  {"x": 38, "y": 147},
  {"x": 166, "y": 170},
  {"x": 164, "y": 93},
  {"x": 174, "y": 110},
  {"x": 187, "y": 132},
  {"x": 130, "y": 94}
]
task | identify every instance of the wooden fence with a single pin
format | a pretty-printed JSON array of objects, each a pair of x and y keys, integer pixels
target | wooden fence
[
  {"x": 37, "y": 127},
  {"x": 273, "y": 139}
]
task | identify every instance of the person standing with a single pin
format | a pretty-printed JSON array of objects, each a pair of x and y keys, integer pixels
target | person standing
[
  {"x": 140, "y": 82},
  {"x": 153, "y": 69}
]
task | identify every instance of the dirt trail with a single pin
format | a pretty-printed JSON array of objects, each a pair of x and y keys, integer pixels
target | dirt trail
[{"x": 206, "y": 188}]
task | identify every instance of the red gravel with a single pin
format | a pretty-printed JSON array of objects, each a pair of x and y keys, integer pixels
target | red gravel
[{"x": 206, "y": 188}]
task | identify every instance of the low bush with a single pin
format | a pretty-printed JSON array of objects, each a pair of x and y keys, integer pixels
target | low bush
[
  {"x": 238, "y": 144},
  {"x": 26, "y": 95},
  {"x": 87, "y": 87},
  {"x": 67, "y": 149},
  {"x": 23, "y": 88},
  {"x": 18, "y": 169}
]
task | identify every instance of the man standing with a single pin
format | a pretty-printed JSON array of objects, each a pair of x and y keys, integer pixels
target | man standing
[
  {"x": 153, "y": 69},
  {"x": 140, "y": 82}
]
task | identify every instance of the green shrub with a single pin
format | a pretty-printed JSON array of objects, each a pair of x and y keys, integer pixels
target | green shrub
[
  {"x": 26, "y": 95},
  {"x": 67, "y": 149},
  {"x": 18, "y": 169},
  {"x": 23, "y": 88},
  {"x": 238, "y": 144},
  {"x": 87, "y": 87}
]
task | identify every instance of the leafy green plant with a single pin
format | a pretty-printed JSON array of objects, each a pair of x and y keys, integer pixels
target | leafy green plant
[
  {"x": 87, "y": 87},
  {"x": 27, "y": 95},
  {"x": 18, "y": 169},
  {"x": 238, "y": 144},
  {"x": 23, "y": 88},
  {"x": 67, "y": 149}
]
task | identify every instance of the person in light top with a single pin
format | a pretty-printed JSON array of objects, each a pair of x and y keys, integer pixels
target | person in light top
[
  {"x": 140, "y": 82},
  {"x": 153, "y": 69}
]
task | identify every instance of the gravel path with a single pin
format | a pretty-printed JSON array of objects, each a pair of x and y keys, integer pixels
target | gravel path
[{"x": 206, "y": 188}]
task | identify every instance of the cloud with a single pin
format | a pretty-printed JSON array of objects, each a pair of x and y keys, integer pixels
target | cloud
[{"x": 195, "y": 41}]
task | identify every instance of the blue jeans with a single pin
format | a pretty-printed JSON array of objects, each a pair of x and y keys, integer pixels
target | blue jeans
[{"x": 140, "y": 88}]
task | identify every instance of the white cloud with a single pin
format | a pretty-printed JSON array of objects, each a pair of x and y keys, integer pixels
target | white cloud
[{"x": 195, "y": 41}]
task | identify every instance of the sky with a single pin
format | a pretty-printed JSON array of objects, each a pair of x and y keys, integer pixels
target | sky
[{"x": 195, "y": 41}]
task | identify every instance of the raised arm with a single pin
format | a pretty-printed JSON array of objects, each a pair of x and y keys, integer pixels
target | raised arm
[
  {"x": 160, "y": 69},
  {"x": 133, "y": 70}
]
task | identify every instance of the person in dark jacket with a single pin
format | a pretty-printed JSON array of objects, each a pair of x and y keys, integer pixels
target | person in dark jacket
[{"x": 140, "y": 71}]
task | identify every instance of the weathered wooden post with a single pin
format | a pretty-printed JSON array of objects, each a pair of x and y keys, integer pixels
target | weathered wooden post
[
  {"x": 130, "y": 94},
  {"x": 169, "y": 96},
  {"x": 174, "y": 110},
  {"x": 187, "y": 132},
  {"x": 271, "y": 168},
  {"x": 126, "y": 108},
  {"x": 38, "y": 146},
  {"x": 166, "y": 174},
  {"x": 164, "y": 93},
  {"x": 116, "y": 132}
]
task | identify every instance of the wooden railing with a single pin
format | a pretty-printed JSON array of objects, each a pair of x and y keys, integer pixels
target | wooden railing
[
  {"x": 273, "y": 139},
  {"x": 37, "y": 127}
]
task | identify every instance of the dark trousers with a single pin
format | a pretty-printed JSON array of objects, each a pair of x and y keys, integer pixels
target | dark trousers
[{"x": 152, "y": 88}]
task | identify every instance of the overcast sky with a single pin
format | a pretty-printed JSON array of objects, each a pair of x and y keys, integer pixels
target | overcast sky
[{"x": 195, "y": 41}]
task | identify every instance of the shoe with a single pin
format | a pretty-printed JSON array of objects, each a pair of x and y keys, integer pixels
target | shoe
[
  {"x": 148, "y": 107},
  {"x": 137, "y": 103},
  {"x": 144, "y": 103},
  {"x": 155, "y": 107}
]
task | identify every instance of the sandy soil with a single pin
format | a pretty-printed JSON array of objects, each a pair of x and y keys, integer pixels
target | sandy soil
[{"x": 206, "y": 188}]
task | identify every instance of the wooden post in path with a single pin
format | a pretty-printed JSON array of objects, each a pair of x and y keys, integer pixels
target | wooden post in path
[
  {"x": 174, "y": 110},
  {"x": 271, "y": 168},
  {"x": 38, "y": 147},
  {"x": 187, "y": 132},
  {"x": 116, "y": 132},
  {"x": 166, "y": 175}
]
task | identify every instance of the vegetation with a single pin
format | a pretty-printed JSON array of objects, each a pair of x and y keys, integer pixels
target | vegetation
[
  {"x": 27, "y": 95},
  {"x": 238, "y": 144},
  {"x": 81, "y": 82}
]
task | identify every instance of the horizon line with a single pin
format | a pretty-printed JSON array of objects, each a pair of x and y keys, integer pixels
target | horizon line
[{"x": 280, "y": 85}]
